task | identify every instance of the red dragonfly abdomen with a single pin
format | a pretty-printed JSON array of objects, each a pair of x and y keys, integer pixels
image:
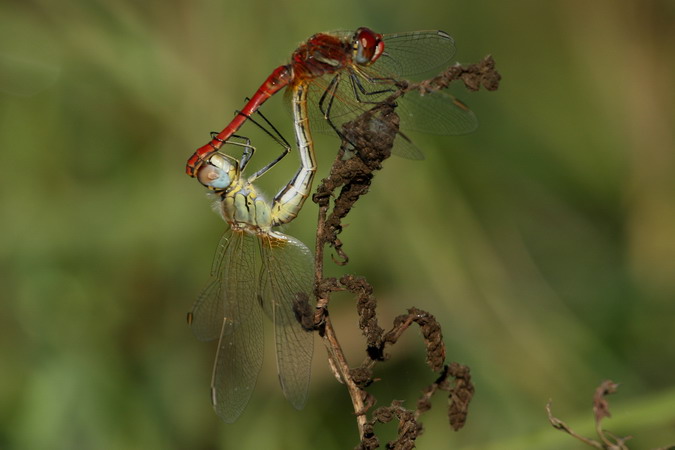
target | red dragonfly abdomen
[{"x": 277, "y": 80}]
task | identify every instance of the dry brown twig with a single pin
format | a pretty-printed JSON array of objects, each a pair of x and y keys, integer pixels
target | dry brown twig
[
  {"x": 607, "y": 440},
  {"x": 600, "y": 410},
  {"x": 369, "y": 139}
]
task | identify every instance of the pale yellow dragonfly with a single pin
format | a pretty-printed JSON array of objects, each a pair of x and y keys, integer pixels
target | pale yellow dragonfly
[{"x": 257, "y": 271}]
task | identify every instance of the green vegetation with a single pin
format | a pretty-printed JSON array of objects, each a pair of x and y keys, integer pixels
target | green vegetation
[{"x": 544, "y": 243}]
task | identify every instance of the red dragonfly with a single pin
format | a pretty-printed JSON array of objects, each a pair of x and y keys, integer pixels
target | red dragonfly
[{"x": 333, "y": 77}]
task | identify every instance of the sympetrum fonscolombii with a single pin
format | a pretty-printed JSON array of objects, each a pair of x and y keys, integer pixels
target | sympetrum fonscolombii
[
  {"x": 256, "y": 269},
  {"x": 336, "y": 76}
]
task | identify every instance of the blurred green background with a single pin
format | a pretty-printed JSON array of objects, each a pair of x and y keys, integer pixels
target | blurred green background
[{"x": 544, "y": 242}]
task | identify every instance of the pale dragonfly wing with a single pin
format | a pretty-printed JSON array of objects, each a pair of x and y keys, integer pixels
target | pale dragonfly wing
[
  {"x": 228, "y": 309},
  {"x": 286, "y": 277},
  {"x": 357, "y": 89}
]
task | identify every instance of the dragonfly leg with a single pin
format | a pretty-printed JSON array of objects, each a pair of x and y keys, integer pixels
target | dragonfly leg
[
  {"x": 329, "y": 96},
  {"x": 276, "y": 135},
  {"x": 357, "y": 87},
  {"x": 214, "y": 137},
  {"x": 329, "y": 92},
  {"x": 326, "y": 101},
  {"x": 379, "y": 80},
  {"x": 249, "y": 150}
]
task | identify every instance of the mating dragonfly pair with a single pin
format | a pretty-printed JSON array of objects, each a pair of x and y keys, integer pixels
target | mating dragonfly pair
[{"x": 331, "y": 79}]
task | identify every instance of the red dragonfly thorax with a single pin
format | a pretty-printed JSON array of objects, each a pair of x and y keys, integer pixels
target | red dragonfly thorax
[
  {"x": 325, "y": 53},
  {"x": 319, "y": 55},
  {"x": 322, "y": 54}
]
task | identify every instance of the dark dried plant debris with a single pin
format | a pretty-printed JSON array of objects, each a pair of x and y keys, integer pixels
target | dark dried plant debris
[
  {"x": 368, "y": 140},
  {"x": 362, "y": 376},
  {"x": 456, "y": 380},
  {"x": 460, "y": 396},
  {"x": 600, "y": 404},
  {"x": 372, "y": 135},
  {"x": 473, "y": 76},
  {"x": 365, "y": 307},
  {"x": 431, "y": 331},
  {"x": 408, "y": 427},
  {"x": 353, "y": 175}
]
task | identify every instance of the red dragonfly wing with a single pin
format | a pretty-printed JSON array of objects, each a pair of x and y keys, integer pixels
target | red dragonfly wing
[
  {"x": 356, "y": 89},
  {"x": 435, "y": 113},
  {"x": 286, "y": 275},
  {"x": 228, "y": 309},
  {"x": 415, "y": 55}
]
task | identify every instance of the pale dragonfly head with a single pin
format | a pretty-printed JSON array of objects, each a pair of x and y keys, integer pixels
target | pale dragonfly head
[{"x": 219, "y": 172}]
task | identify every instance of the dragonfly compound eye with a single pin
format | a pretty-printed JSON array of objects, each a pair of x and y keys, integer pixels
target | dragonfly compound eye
[
  {"x": 368, "y": 46},
  {"x": 218, "y": 173}
]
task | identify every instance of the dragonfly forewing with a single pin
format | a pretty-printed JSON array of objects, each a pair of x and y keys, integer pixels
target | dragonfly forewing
[
  {"x": 286, "y": 278},
  {"x": 435, "y": 113},
  {"x": 206, "y": 317},
  {"x": 415, "y": 55},
  {"x": 232, "y": 296}
]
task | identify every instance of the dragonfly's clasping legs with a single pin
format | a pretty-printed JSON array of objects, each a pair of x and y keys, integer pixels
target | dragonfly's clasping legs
[
  {"x": 358, "y": 86},
  {"x": 249, "y": 150},
  {"x": 330, "y": 91},
  {"x": 276, "y": 135}
]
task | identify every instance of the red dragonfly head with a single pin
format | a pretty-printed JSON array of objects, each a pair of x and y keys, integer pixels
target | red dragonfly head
[{"x": 367, "y": 46}]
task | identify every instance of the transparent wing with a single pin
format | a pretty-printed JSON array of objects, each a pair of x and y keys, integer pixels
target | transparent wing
[
  {"x": 287, "y": 273},
  {"x": 206, "y": 317},
  {"x": 410, "y": 53},
  {"x": 229, "y": 303},
  {"x": 353, "y": 92},
  {"x": 436, "y": 113},
  {"x": 415, "y": 54}
]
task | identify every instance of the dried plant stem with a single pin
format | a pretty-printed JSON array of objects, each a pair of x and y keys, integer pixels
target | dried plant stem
[
  {"x": 336, "y": 357},
  {"x": 339, "y": 363},
  {"x": 369, "y": 139}
]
